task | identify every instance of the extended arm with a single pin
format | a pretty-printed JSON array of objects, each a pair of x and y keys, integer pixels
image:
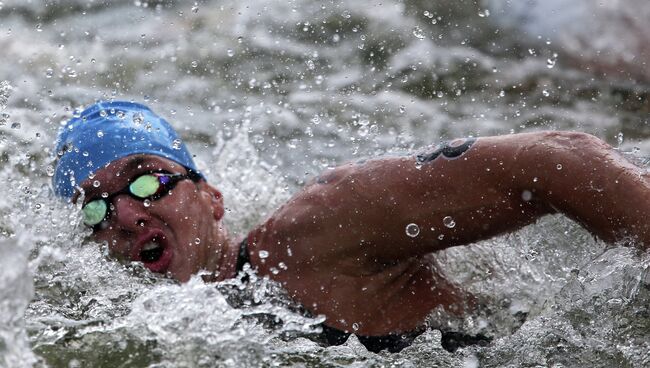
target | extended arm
[
  {"x": 346, "y": 249},
  {"x": 494, "y": 185}
]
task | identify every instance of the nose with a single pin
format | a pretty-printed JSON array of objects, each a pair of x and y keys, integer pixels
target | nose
[{"x": 128, "y": 213}]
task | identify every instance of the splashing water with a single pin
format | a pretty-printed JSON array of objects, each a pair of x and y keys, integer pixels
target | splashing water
[{"x": 243, "y": 83}]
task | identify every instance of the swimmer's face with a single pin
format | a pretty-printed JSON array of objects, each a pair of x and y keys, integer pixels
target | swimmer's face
[{"x": 178, "y": 233}]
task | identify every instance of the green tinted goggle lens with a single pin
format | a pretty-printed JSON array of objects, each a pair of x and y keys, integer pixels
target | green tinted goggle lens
[
  {"x": 94, "y": 212},
  {"x": 143, "y": 187}
]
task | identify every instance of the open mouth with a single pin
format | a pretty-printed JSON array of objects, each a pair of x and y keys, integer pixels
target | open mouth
[{"x": 152, "y": 251}]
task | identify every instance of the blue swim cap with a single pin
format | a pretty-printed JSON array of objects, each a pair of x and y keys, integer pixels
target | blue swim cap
[{"x": 107, "y": 131}]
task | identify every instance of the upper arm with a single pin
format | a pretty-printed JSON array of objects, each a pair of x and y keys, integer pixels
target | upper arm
[{"x": 359, "y": 212}]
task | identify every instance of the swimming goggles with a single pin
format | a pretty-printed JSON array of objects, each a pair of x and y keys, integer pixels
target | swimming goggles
[{"x": 147, "y": 187}]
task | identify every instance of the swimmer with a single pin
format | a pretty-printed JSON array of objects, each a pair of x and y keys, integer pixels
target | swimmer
[{"x": 355, "y": 244}]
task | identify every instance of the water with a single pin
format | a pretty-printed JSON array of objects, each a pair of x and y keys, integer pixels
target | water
[{"x": 267, "y": 94}]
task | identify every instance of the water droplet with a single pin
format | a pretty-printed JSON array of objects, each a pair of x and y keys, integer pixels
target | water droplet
[
  {"x": 49, "y": 170},
  {"x": 195, "y": 8},
  {"x": 100, "y": 133},
  {"x": 138, "y": 118},
  {"x": 449, "y": 222},
  {"x": 15, "y": 125},
  {"x": 619, "y": 138},
  {"x": 104, "y": 194},
  {"x": 240, "y": 39},
  {"x": 531, "y": 51},
  {"x": 85, "y": 153},
  {"x": 526, "y": 195},
  {"x": 263, "y": 254},
  {"x": 417, "y": 32},
  {"x": 484, "y": 13},
  {"x": 402, "y": 109},
  {"x": 194, "y": 63},
  {"x": 146, "y": 203},
  {"x": 49, "y": 72},
  {"x": 559, "y": 166},
  {"x": 96, "y": 183},
  {"x": 176, "y": 144},
  {"x": 550, "y": 62},
  {"x": 310, "y": 65},
  {"x": 103, "y": 113},
  {"x": 546, "y": 93},
  {"x": 363, "y": 131},
  {"x": 197, "y": 241},
  {"x": 230, "y": 52},
  {"x": 441, "y": 236},
  {"x": 355, "y": 326},
  {"x": 39, "y": 28},
  {"x": 120, "y": 114},
  {"x": 412, "y": 230},
  {"x": 535, "y": 179}
]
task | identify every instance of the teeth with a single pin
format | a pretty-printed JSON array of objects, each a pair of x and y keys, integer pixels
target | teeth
[{"x": 150, "y": 246}]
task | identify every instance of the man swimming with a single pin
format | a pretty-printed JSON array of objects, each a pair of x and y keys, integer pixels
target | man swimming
[{"x": 355, "y": 244}]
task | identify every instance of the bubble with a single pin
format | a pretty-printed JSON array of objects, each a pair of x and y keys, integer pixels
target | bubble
[
  {"x": 146, "y": 203},
  {"x": 176, "y": 144},
  {"x": 449, "y": 222},
  {"x": 194, "y": 63},
  {"x": 417, "y": 32},
  {"x": 197, "y": 241},
  {"x": 559, "y": 166},
  {"x": 104, "y": 194},
  {"x": 49, "y": 72},
  {"x": 263, "y": 254},
  {"x": 412, "y": 230},
  {"x": 484, "y": 13},
  {"x": 441, "y": 236},
  {"x": 230, "y": 52},
  {"x": 96, "y": 183}
]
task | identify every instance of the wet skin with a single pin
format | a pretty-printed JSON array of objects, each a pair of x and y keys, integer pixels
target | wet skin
[
  {"x": 339, "y": 246},
  {"x": 187, "y": 223}
]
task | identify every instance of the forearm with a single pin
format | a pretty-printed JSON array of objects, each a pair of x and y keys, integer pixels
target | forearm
[{"x": 584, "y": 178}]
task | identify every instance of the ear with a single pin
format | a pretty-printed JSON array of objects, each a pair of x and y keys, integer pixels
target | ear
[{"x": 215, "y": 197}]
